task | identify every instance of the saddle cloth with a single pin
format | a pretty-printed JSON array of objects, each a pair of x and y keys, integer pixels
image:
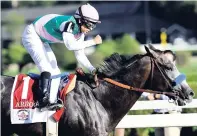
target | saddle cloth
[{"x": 23, "y": 101}]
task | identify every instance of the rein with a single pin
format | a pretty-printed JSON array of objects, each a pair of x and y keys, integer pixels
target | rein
[
  {"x": 175, "y": 94},
  {"x": 137, "y": 89}
]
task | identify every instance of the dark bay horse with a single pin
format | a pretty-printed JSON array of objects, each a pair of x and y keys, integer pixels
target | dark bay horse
[{"x": 97, "y": 111}]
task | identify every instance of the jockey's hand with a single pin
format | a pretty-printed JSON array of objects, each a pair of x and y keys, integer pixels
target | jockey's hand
[
  {"x": 94, "y": 72},
  {"x": 95, "y": 77},
  {"x": 98, "y": 39},
  {"x": 80, "y": 71}
]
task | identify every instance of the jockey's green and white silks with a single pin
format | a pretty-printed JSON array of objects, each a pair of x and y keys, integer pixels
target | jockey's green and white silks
[
  {"x": 43, "y": 56},
  {"x": 48, "y": 27}
]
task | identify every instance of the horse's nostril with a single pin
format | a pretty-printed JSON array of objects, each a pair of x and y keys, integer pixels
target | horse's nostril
[{"x": 192, "y": 94}]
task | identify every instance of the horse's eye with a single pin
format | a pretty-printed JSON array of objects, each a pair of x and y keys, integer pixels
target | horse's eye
[{"x": 168, "y": 66}]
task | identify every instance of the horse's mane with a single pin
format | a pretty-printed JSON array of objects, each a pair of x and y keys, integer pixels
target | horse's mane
[{"x": 114, "y": 63}]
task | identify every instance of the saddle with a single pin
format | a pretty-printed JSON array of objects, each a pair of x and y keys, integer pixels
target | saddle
[
  {"x": 67, "y": 83},
  {"x": 25, "y": 96}
]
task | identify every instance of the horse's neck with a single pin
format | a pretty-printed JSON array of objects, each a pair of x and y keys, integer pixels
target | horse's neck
[{"x": 116, "y": 101}]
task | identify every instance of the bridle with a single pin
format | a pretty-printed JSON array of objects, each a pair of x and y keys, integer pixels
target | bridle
[{"x": 154, "y": 63}]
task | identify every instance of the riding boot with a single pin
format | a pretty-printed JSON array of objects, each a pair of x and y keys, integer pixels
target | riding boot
[
  {"x": 55, "y": 102},
  {"x": 44, "y": 88}
]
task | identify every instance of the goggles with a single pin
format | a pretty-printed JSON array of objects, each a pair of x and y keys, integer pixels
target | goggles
[{"x": 88, "y": 24}]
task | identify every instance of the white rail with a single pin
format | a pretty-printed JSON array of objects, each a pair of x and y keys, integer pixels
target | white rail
[
  {"x": 160, "y": 104},
  {"x": 159, "y": 120},
  {"x": 181, "y": 47}
]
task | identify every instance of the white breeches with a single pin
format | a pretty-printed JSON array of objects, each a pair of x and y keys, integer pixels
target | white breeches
[{"x": 43, "y": 56}]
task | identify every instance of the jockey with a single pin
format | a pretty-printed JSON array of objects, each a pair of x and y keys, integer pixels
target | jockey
[{"x": 54, "y": 28}]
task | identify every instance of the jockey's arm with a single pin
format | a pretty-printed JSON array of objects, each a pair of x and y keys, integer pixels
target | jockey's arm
[
  {"x": 82, "y": 59},
  {"x": 69, "y": 40},
  {"x": 77, "y": 45},
  {"x": 72, "y": 44}
]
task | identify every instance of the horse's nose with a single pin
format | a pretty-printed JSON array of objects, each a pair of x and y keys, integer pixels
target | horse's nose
[
  {"x": 190, "y": 92},
  {"x": 190, "y": 95}
]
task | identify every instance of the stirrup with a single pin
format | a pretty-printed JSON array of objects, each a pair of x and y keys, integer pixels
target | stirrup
[{"x": 53, "y": 106}]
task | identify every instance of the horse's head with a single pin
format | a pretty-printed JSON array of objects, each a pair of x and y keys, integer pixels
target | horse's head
[
  {"x": 166, "y": 77},
  {"x": 156, "y": 70}
]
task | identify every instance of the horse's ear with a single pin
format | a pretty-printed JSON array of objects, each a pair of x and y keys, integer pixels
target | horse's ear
[
  {"x": 147, "y": 49},
  {"x": 152, "y": 53},
  {"x": 152, "y": 47}
]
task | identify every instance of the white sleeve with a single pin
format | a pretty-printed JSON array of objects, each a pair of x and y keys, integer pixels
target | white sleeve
[
  {"x": 82, "y": 59},
  {"x": 72, "y": 44},
  {"x": 81, "y": 39},
  {"x": 164, "y": 97},
  {"x": 145, "y": 94}
]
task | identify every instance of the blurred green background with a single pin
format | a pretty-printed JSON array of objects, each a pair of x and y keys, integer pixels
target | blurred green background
[{"x": 15, "y": 59}]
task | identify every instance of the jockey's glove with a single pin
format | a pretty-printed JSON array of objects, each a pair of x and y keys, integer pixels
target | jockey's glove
[{"x": 93, "y": 72}]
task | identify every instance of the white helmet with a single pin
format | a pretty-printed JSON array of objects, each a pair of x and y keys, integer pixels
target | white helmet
[{"x": 87, "y": 14}]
